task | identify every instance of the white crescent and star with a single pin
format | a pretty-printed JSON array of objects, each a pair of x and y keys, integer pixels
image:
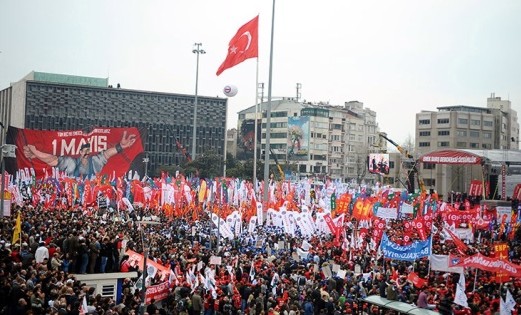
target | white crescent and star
[{"x": 234, "y": 48}]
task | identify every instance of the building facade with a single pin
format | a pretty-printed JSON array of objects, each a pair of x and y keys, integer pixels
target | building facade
[
  {"x": 45, "y": 101},
  {"x": 494, "y": 127},
  {"x": 231, "y": 142},
  {"x": 313, "y": 140}
]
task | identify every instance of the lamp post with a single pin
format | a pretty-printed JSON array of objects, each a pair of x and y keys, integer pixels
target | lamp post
[
  {"x": 146, "y": 159},
  {"x": 198, "y": 51},
  {"x": 145, "y": 257}
]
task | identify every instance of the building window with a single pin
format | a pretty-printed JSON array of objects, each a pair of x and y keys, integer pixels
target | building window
[
  {"x": 391, "y": 164},
  {"x": 474, "y": 134},
  {"x": 487, "y": 146},
  {"x": 430, "y": 182},
  {"x": 461, "y": 133},
  {"x": 443, "y": 144},
  {"x": 278, "y": 135},
  {"x": 463, "y": 121},
  {"x": 461, "y": 144},
  {"x": 487, "y": 135},
  {"x": 429, "y": 166},
  {"x": 424, "y": 121},
  {"x": 474, "y": 122},
  {"x": 443, "y": 132},
  {"x": 425, "y": 133},
  {"x": 443, "y": 120},
  {"x": 487, "y": 123},
  {"x": 424, "y": 144},
  {"x": 474, "y": 145}
]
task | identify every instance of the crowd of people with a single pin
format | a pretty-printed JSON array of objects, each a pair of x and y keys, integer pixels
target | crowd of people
[{"x": 263, "y": 272}]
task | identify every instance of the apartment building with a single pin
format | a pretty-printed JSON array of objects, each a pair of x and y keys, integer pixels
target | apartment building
[{"x": 313, "y": 139}]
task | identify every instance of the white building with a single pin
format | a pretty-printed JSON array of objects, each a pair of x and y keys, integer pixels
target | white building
[{"x": 312, "y": 139}]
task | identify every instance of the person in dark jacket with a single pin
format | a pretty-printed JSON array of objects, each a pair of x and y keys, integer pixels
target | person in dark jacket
[{"x": 445, "y": 306}]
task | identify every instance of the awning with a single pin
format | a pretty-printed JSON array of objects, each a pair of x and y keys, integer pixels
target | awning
[{"x": 451, "y": 157}]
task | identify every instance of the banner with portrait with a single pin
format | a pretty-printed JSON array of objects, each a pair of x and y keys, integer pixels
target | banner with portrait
[
  {"x": 298, "y": 138},
  {"x": 76, "y": 153},
  {"x": 246, "y": 139}
]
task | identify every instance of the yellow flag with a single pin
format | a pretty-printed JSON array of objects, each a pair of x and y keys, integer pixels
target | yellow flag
[{"x": 17, "y": 229}]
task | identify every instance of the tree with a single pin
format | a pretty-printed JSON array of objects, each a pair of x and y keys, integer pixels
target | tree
[
  {"x": 209, "y": 164},
  {"x": 409, "y": 145},
  {"x": 361, "y": 169}
]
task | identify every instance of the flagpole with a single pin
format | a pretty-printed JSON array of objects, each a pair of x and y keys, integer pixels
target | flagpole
[
  {"x": 268, "y": 114},
  {"x": 254, "y": 179},
  {"x": 225, "y": 137},
  {"x": 475, "y": 279}
]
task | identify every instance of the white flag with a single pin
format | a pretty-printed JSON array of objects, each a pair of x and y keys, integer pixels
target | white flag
[
  {"x": 503, "y": 308},
  {"x": 510, "y": 303},
  {"x": 252, "y": 271},
  {"x": 461, "y": 298},
  {"x": 84, "y": 308}
]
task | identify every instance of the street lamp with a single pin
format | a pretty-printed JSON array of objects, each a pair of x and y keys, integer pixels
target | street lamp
[
  {"x": 199, "y": 51},
  {"x": 146, "y": 160}
]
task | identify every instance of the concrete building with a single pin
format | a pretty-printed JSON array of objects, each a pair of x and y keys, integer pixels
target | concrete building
[
  {"x": 463, "y": 127},
  {"x": 46, "y": 101},
  {"x": 315, "y": 140},
  {"x": 231, "y": 141}
]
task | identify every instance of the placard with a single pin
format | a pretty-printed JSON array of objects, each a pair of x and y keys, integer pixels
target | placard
[{"x": 215, "y": 260}]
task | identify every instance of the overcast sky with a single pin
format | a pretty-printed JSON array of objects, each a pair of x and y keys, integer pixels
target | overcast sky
[{"x": 397, "y": 57}]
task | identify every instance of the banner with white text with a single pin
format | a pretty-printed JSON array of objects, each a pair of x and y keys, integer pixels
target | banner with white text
[{"x": 77, "y": 153}]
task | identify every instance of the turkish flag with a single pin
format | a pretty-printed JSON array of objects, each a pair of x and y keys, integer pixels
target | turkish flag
[
  {"x": 244, "y": 45},
  {"x": 416, "y": 280}
]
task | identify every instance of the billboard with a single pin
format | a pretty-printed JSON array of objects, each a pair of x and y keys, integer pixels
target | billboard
[
  {"x": 378, "y": 163},
  {"x": 76, "y": 153},
  {"x": 298, "y": 138},
  {"x": 246, "y": 139}
]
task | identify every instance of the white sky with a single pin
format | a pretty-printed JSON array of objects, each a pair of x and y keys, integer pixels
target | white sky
[{"x": 397, "y": 57}]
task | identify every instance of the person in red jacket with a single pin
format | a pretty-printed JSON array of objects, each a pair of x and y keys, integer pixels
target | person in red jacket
[{"x": 125, "y": 264}]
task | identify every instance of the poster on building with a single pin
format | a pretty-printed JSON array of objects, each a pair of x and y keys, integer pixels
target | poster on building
[
  {"x": 76, "y": 153},
  {"x": 298, "y": 138},
  {"x": 246, "y": 139}
]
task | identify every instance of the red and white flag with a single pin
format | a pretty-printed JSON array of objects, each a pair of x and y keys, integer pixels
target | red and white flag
[
  {"x": 244, "y": 45},
  {"x": 83, "y": 307}
]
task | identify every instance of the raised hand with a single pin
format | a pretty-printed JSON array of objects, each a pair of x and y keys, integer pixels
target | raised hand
[{"x": 127, "y": 141}]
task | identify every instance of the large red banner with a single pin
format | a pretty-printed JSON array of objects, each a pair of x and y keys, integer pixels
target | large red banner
[
  {"x": 77, "y": 153},
  {"x": 157, "y": 292},
  {"x": 488, "y": 263}
]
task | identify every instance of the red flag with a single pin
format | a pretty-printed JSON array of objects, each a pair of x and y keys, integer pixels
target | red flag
[
  {"x": 462, "y": 248},
  {"x": 416, "y": 280},
  {"x": 244, "y": 45}
]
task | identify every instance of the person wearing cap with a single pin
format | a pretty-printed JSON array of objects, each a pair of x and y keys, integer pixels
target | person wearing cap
[{"x": 86, "y": 164}]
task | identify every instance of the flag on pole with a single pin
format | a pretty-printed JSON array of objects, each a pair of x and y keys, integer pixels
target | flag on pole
[
  {"x": 84, "y": 308},
  {"x": 17, "y": 229},
  {"x": 510, "y": 303},
  {"x": 252, "y": 271},
  {"x": 244, "y": 45},
  {"x": 461, "y": 298}
]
